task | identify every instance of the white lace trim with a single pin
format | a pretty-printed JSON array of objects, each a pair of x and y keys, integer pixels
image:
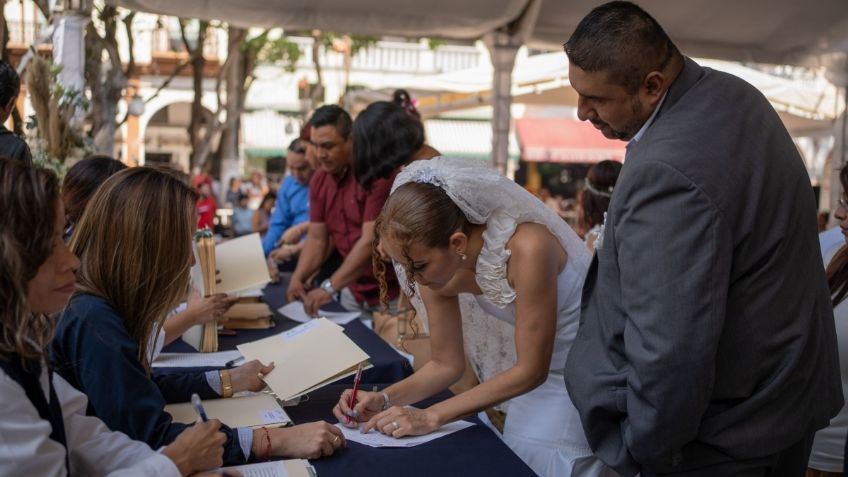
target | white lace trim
[{"x": 491, "y": 263}]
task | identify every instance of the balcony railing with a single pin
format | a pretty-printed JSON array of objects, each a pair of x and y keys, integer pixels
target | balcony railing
[
  {"x": 25, "y": 33},
  {"x": 395, "y": 57}
]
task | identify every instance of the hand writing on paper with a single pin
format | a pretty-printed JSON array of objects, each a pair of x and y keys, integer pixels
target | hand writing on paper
[
  {"x": 398, "y": 421},
  {"x": 314, "y": 300},
  {"x": 199, "y": 447},
  {"x": 367, "y": 405},
  {"x": 246, "y": 376}
]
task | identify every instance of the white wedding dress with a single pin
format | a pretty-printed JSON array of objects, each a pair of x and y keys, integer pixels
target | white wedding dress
[{"x": 542, "y": 426}]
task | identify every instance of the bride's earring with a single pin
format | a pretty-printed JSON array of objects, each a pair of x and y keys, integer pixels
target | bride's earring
[{"x": 462, "y": 255}]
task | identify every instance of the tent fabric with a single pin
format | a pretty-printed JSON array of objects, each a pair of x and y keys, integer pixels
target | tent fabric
[
  {"x": 765, "y": 31},
  {"x": 768, "y": 31},
  {"x": 436, "y": 18},
  {"x": 565, "y": 141}
]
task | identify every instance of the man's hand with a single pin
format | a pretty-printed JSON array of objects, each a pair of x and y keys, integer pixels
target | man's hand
[
  {"x": 296, "y": 290},
  {"x": 314, "y": 299}
]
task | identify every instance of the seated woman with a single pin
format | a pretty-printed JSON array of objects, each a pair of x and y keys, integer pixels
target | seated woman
[
  {"x": 80, "y": 184},
  {"x": 458, "y": 227},
  {"x": 43, "y": 426},
  {"x": 135, "y": 267}
]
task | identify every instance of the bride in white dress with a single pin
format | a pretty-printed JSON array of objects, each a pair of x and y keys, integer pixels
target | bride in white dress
[{"x": 458, "y": 227}]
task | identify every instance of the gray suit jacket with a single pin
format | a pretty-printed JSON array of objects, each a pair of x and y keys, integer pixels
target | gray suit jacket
[{"x": 707, "y": 332}]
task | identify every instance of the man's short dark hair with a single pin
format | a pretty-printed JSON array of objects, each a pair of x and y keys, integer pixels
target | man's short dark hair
[
  {"x": 332, "y": 115},
  {"x": 624, "y": 41},
  {"x": 10, "y": 83}
]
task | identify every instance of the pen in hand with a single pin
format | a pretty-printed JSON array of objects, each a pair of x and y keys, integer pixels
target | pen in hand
[
  {"x": 352, "y": 401},
  {"x": 198, "y": 407}
]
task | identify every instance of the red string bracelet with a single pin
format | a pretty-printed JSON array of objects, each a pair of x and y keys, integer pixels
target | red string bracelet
[{"x": 267, "y": 444}]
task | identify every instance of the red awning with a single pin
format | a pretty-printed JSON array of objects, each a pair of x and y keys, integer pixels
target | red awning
[{"x": 565, "y": 140}]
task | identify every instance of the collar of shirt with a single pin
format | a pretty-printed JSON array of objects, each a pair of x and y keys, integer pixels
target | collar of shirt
[{"x": 648, "y": 123}]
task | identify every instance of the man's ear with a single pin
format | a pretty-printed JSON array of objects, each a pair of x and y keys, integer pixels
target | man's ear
[{"x": 653, "y": 88}]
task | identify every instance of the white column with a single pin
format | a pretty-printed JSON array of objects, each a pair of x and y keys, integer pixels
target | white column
[
  {"x": 502, "y": 48},
  {"x": 69, "y": 49}
]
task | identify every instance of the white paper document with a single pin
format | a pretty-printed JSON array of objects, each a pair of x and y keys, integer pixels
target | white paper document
[
  {"x": 294, "y": 311},
  {"x": 195, "y": 360},
  {"x": 280, "y": 468},
  {"x": 377, "y": 439}
]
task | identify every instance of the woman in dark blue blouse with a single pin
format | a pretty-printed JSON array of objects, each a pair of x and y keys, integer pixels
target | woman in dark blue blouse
[{"x": 134, "y": 244}]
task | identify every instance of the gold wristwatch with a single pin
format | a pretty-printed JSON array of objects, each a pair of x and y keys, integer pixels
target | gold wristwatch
[{"x": 226, "y": 383}]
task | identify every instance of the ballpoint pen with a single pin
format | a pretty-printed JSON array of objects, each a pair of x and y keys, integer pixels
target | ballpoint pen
[
  {"x": 198, "y": 407},
  {"x": 352, "y": 402}
]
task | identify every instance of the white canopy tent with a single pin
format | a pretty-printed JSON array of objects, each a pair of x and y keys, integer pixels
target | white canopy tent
[{"x": 771, "y": 31}]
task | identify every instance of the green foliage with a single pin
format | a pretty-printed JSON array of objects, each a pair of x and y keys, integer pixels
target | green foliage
[
  {"x": 435, "y": 43},
  {"x": 264, "y": 50}
]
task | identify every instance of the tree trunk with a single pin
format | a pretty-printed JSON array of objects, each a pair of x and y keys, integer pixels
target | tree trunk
[
  {"x": 228, "y": 148},
  {"x": 200, "y": 151},
  {"x": 317, "y": 93}
]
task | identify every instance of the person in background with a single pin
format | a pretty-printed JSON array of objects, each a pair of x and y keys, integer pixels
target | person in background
[
  {"x": 11, "y": 145},
  {"x": 80, "y": 183},
  {"x": 234, "y": 192},
  {"x": 594, "y": 200},
  {"x": 102, "y": 344},
  {"x": 262, "y": 215},
  {"x": 827, "y": 457},
  {"x": 292, "y": 209},
  {"x": 206, "y": 207},
  {"x": 242, "y": 217},
  {"x": 43, "y": 426},
  {"x": 341, "y": 210},
  {"x": 256, "y": 188}
]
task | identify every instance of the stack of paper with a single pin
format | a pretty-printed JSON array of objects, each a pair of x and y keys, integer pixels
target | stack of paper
[
  {"x": 256, "y": 410},
  {"x": 295, "y": 311},
  {"x": 307, "y": 357},
  {"x": 255, "y": 315},
  {"x": 280, "y": 468}
]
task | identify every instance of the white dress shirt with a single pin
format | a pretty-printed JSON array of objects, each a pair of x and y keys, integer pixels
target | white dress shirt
[{"x": 26, "y": 448}]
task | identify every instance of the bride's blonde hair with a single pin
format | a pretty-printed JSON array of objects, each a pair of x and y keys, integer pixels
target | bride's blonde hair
[{"x": 414, "y": 213}]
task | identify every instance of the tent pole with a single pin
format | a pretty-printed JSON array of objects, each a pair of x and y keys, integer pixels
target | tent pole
[{"x": 503, "y": 45}]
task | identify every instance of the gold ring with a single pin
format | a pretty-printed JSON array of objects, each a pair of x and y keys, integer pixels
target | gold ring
[
  {"x": 336, "y": 439},
  {"x": 397, "y": 426},
  {"x": 260, "y": 375}
]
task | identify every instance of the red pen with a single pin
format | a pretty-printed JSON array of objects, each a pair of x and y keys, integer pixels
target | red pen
[{"x": 352, "y": 401}]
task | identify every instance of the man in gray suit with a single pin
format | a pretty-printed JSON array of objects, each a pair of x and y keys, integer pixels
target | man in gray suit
[{"x": 706, "y": 345}]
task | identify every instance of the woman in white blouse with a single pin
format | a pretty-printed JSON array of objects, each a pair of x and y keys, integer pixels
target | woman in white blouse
[{"x": 43, "y": 427}]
